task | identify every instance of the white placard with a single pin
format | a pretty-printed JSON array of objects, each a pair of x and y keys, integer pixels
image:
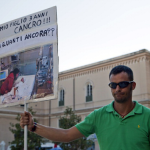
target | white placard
[{"x": 29, "y": 53}]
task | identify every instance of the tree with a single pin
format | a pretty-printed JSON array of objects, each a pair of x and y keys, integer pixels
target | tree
[
  {"x": 33, "y": 139},
  {"x": 68, "y": 120}
]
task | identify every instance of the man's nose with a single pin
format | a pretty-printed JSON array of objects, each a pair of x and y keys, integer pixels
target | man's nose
[{"x": 118, "y": 88}]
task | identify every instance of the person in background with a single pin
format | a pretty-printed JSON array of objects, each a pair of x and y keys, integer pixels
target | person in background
[
  {"x": 9, "y": 81},
  {"x": 55, "y": 145}
]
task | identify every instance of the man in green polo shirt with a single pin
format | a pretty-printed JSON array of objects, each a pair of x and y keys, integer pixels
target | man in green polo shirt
[{"x": 122, "y": 125}]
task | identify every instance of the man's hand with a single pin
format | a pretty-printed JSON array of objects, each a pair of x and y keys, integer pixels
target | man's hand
[{"x": 26, "y": 119}]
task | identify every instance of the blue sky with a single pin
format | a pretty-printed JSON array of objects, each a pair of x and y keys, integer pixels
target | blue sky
[{"x": 90, "y": 30}]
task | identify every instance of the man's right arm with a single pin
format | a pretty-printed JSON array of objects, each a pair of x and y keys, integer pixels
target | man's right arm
[{"x": 54, "y": 134}]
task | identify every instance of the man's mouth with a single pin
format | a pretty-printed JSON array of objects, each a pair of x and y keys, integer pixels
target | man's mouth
[{"x": 119, "y": 94}]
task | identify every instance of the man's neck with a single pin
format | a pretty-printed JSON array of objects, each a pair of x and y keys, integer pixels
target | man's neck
[{"x": 124, "y": 108}]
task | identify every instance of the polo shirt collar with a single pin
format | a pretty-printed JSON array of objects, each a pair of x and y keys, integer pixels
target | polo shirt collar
[
  {"x": 137, "y": 109},
  {"x": 110, "y": 107}
]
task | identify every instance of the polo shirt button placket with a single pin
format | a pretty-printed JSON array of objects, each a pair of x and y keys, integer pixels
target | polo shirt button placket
[{"x": 121, "y": 123}]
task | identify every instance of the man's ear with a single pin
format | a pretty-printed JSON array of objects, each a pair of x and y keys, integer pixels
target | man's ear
[{"x": 133, "y": 85}]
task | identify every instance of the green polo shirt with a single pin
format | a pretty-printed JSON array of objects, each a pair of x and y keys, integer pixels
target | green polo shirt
[{"x": 117, "y": 133}]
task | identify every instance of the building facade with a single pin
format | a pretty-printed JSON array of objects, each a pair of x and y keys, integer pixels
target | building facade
[{"x": 84, "y": 89}]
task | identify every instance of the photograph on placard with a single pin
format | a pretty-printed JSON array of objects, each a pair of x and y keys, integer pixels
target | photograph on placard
[{"x": 27, "y": 75}]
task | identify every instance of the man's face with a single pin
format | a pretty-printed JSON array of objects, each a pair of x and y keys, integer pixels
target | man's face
[{"x": 122, "y": 95}]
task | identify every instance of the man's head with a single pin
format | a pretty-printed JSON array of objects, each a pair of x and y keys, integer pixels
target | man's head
[
  {"x": 121, "y": 68},
  {"x": 121, "y": 83}
]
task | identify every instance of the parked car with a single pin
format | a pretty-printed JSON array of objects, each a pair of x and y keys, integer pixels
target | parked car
[{"x": 49, "y": 146}]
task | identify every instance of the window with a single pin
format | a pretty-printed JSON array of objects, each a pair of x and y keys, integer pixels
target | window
[
  {"x": 89, "y": 92},
  {"x": 59, "y": 123},
  {"x": 61, "y": 97}
]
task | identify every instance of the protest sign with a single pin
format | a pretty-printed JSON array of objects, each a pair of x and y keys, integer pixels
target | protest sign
[{"x": 29, "y": 59}]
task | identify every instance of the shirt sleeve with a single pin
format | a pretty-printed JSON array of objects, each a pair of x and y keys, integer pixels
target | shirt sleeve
[{"x": 86, "y": 127}]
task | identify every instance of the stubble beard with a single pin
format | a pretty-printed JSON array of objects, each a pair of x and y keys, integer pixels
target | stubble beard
[
  {"x": 126, "y": 98},
  {"x": 123, "y": 100}
]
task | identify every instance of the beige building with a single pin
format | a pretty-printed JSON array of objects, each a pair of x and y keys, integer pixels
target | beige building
[{"x": 84, "y": 89}]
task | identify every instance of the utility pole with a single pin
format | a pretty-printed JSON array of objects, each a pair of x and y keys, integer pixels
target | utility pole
[{"x": 73, "y": 94}]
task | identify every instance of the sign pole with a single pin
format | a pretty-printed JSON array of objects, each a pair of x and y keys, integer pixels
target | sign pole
[{"x": 25, "y": 129}]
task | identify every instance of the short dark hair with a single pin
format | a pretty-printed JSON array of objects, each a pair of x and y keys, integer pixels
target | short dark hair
[
  {"x": 15, "y": 71},
  {"x": 122, "y": 68}
]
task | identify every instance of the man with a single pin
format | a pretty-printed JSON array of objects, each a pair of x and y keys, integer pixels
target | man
[{"x": 122, "y": 125}]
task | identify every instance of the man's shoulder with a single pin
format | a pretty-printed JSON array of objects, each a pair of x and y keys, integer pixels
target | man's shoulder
[
  {"x": 144, "y": 109},
  {"x": 104, "y": 109}
]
